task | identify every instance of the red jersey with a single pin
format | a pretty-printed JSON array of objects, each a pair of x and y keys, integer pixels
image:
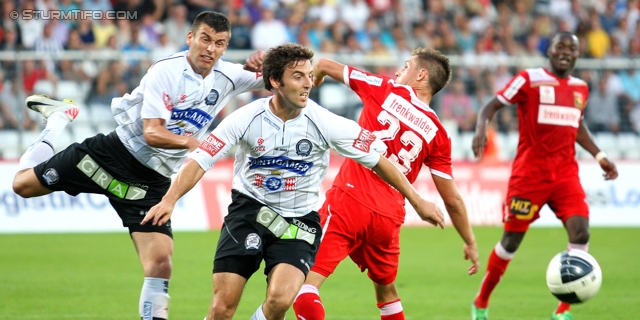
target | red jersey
[
  {"x": 410, "y": 129},
  {"x": 549, "y": 113}
]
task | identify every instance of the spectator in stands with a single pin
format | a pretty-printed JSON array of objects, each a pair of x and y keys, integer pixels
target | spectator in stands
[
  {"x": 323, "y": 10},
  {"x": 268, "y": 32},
  {"x": 12, "y": 109},
  {"x": 630, "y": 79},
  {"x": 621, "y": 35},
  {"x": 31, "y": 73},
  {"x": 457, "y": 105},
  {"x": 149, "y": 31},
  {"x": 609, "y": 18},
  {"x": 103, "y": 88},
  {"x": 48, "y": 47},
  {"x": 103, "y": 30},
  {"x": 521, "y": 21},
  {"x": 602, "y": 113},
  {"x": 100, "y": 5},
  {"x": 176, "y": 26},
  {"x": 164, "y": 48},
  {"x": 86, "y": 34},
  {"x": 10, "y": 40},
  {"x": 355, "y": 14},
  {"x": 598, "y": 42},
  {"x": 30, "y": 29},
  {"x": 241, "y": 31},
  {"x": 71, "y": 71},
  {"x": 465, "y": 39}
]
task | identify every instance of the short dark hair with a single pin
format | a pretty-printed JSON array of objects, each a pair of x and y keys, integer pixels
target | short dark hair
[
  {"x": 281, "y": 57},
  {"x": 216, "y": 20},
  {"x": 438, "y": 66}
]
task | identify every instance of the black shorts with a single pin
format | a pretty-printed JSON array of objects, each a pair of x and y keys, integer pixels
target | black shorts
[
  {"x": 251, "y": 232},
  {"x": 103, "y": 165}
]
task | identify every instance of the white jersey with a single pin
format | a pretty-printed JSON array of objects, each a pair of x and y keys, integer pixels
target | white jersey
[
  {"x": 187, "y": 103},
  {"x": 282, "y": 164}
]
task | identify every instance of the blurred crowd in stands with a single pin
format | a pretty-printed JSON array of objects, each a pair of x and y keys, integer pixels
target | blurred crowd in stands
[{"x": 373, "y": 28}]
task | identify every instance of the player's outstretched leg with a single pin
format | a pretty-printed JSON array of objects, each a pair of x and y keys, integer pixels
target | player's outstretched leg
[
  {"x": 308, "y": 305},
  {"x": 57, "y": 115},
  {"x": 497, "y": 265}
]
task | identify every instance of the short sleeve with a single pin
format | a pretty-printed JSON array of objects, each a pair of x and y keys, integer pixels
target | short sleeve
[
  {"x": 439, "y": 159},
  {"x": 363, "y": 83},
  {"x": 514, "y": 91},
  {"x": 352, "y": 141},
  {"x": 158, "y": 96},
  {"x": 226, "y": 135},
  {"x": 247, "y": 80}
]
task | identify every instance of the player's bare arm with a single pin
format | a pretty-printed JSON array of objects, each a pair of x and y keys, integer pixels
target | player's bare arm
[
  {"x": 585, "y": 140},
  {"x": 327, "y": 67},
  {"x": 458, "y": 212},
  {"x": 186, "y": 179},
  {"x": 157, "y": 135},
  {"x": 428, "y": 211},
  {"x": 254, "y": 62},
  {"x": 484, "y": 116}
]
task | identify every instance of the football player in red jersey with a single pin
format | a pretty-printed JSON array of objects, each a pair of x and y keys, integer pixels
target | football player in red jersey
[
  {"x": 550, "y": 110},
  {"x": 362, "y": 214}
]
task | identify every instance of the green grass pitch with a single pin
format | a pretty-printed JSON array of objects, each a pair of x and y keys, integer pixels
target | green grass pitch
[{"x": 98, "y": 276}]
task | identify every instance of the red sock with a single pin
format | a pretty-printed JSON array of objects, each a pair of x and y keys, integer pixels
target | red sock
[
  {"x": 308, "y": 305},
  {"x": 495, "y": 269},
  {"x": 391, "y": 310},
  {"x": 562, "y": 307}
]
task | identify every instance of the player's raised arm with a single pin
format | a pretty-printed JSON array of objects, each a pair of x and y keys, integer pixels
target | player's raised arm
[
  {"x": 186, "y": 179},
  {"x": 428, "y": 211},
  {"x": 327, "y": 67},
  {"x": 458, "y": 212},
  {"x": 585, "y": 140},
  {"x": 484, "y": 116},
  {"x": 254, "y": 62}
]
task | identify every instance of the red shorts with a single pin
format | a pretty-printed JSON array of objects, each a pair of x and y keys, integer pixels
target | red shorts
[
  {"x": 350, "y": 229},
  {"x": 525, "y": 197}
]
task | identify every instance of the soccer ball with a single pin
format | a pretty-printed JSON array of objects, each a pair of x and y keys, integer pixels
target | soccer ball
[{"x": 574, "y": 276}]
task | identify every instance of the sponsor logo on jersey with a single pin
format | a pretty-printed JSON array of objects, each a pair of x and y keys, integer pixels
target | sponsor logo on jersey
[
  {"x": 197, "y": 117},
  {"x": 212, "y": 145},
  {"x": 303, "y": 147},
  {"x": 547, "y": 95},
  {"x": 559, "y": 116},
  {"x": 372, "y": 80},
  {"x": 259, "y": 147},
  {"x": 275, "y": 183},
  {"x": 106, "y": 181},
  {"x": 212, "y": 97},
  {"x": 280, "y": 162},
  {"x": 167, "y": 101},
  {"x": 51, "y": 176},
  {"x": 183, "y": 97},
  {"x": 252, "y": 241},
  {"x": 578, "y": 100},
  {"x": 273, "y": 124},
  {"x": 522, "y": 208},
  {"x": 409, "y": 115},
  {"x": 303, "y": 226},
  {"x": 364, "y": 140},
  {"x": 258, "y": 75}
]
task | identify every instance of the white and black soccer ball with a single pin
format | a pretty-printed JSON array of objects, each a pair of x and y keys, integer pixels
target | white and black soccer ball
[{"x": 574, "y": 276}]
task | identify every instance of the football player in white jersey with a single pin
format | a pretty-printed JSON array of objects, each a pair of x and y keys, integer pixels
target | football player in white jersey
[
  {"x": 158, "y": 124},
  {"x": 284, "y": 146}
]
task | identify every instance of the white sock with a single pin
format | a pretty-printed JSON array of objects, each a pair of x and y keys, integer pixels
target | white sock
[
  {"x": 42, "y": 149},
  {"x": 154, "y": 299},
  {"x": 583, "y": 247},
  {"x": 258, "y": 315}
]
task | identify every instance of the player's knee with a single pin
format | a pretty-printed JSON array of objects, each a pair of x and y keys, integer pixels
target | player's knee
[
  {"x": 278, "y": 302},
  {"x": 221, "y": 309},
  {"x": 22, "y": 187},
  {"x": 160, "y": 267}
]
